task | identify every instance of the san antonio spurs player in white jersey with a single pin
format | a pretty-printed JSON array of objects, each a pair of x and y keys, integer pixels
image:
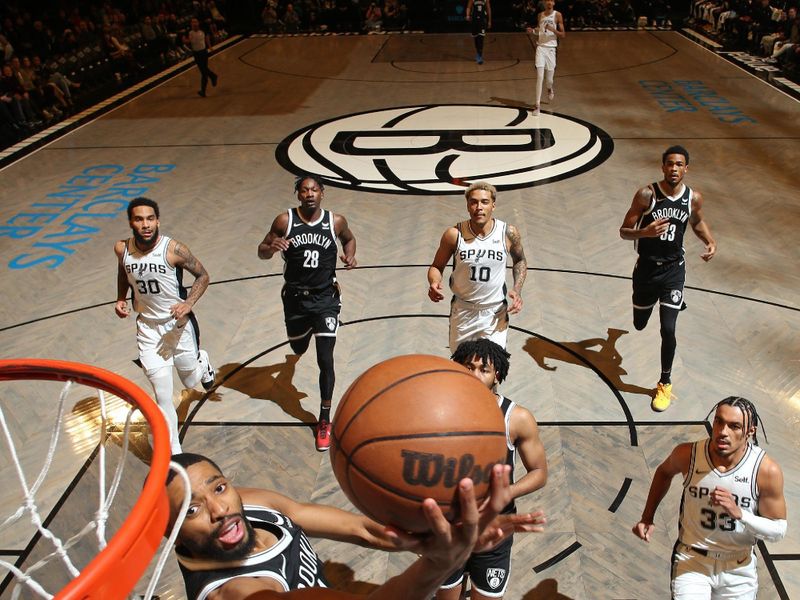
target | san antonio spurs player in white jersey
[
  {"x": 549, "y": 27},
  {"x": 479, "y": 248},
  {"x": 732, "y": 497},
  {"x": 166, "y": 329}
]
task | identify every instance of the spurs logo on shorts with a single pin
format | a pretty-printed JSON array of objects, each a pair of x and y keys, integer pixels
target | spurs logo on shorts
[
  {"x": 439, "y": 149},
  {"x": 495, "y": 577},
  {"x": 675, "y": 295},
  {"x": 331, "y": 323}
]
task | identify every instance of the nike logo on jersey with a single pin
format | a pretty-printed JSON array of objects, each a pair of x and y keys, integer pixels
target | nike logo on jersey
[{"x": 739, "y": 562}]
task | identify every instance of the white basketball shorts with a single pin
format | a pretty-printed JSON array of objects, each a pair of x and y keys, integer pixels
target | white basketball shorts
[
  {"x": 546, "y": 57},
  {"x": 161, "y": 344},
  {"x": 696, "y": 577},
  {"x": 470, "y": 323}
]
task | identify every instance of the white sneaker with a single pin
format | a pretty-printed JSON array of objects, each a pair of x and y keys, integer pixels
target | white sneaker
[
  {"x": 207, "y": 379},
  {"x": 550, "y": 94}
]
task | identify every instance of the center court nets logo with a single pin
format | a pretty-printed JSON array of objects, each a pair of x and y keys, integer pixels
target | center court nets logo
[{"x": 439, "y": 149}]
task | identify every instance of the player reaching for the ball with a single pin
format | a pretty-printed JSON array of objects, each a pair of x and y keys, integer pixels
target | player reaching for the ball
[{"x": 251, "y": 543}]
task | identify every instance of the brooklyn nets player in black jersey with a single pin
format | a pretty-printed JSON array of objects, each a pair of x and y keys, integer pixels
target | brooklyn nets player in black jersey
[
  {"x": 489, "y": 572},
  {"x": 251, "y": 543},
  {"x": 656, "y": 221},
  {"x": 479, "y": 13},
  {"x": 306, "y": 237}
]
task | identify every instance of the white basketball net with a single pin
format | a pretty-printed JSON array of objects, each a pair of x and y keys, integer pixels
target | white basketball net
[{"x": 106, "y": 497}]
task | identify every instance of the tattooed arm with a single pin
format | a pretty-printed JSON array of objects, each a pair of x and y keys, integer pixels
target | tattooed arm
[
  {"x": 519, "y": 268},
  {"x": 180, "y": 256}
]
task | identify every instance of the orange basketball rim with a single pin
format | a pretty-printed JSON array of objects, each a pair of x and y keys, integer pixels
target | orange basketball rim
[{"x": 114, "y": 572}]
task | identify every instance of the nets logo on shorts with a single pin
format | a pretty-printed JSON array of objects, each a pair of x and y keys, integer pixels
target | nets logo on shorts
[
  {"x": 675, "y": 296},
  {"x": 495, "y": 577},
  {"x": 440, "y": 149},
  {"x": 331, "y": 323}
]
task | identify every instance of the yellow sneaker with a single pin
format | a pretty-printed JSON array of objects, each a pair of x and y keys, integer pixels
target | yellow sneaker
[{"x": 663, "y": 397}]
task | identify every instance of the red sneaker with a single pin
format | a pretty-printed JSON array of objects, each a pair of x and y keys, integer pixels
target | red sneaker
[{"x": 323, "y": 436}]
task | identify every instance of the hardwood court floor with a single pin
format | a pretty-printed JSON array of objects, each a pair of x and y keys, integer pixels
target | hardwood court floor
[{"x": 577, "y": 363}]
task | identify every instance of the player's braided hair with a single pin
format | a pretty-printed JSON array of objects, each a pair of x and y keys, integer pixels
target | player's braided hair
[
  {"x": 749, "y": 411},
  {"x": 315, "y": 178},
  {"x": 487, "y": 351}
]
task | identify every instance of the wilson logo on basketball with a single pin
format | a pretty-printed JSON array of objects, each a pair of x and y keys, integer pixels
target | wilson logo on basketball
[
  {"x": 439, "y": 149},
  {"x": 431, "y": 470}
]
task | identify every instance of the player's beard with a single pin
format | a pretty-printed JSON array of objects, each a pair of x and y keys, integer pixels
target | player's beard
[
  {"x": 210, "y": 548},
  {"x": 144, "y": 242}
]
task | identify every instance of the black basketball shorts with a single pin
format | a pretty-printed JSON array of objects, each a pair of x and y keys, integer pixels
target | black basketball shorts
[
  {"x": 478, "y": 27},
  {"x": 488, "y": 571},
  {"x": 654, "y": 282},
  {"x": 311, "y": 311}
]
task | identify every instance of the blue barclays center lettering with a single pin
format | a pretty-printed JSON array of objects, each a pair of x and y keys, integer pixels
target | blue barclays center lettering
[
  {"x": 56, "y": 225},
  {"x": 687, "y": 95},
  {"x": 669, "y": 99}
]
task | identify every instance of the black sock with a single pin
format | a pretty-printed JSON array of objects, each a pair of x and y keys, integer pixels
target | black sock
[
  {"x": 665, "y": 378},
  {"x": 325, "y": 413}
]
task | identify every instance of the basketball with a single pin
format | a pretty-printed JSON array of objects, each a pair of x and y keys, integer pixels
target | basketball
[{"x": 411, "y": 428}]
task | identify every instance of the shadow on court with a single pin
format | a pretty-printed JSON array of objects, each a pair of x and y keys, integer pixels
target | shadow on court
[
  {"x": 599, "y": 352},
  {"x": 272, "y": 383}
]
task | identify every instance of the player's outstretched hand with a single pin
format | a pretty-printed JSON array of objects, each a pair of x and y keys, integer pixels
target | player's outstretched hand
[
  {"x": 505, "y": 526},
  {"x": 643, "y": 530},
  {"x": 449, "y": 544}
]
